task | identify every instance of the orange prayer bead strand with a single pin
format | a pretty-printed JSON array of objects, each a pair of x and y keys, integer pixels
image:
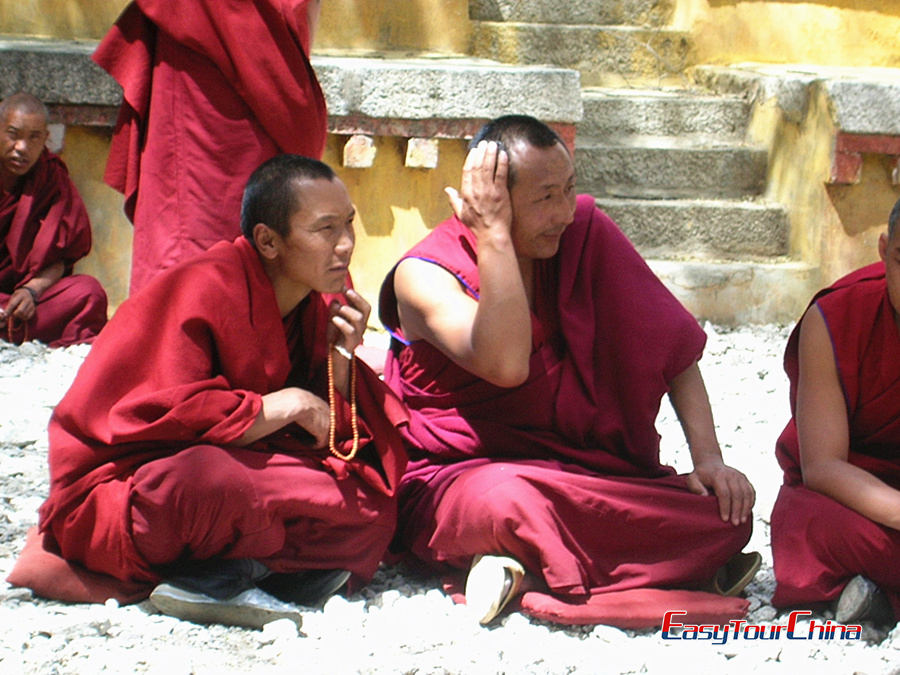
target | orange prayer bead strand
[{"x": 332, "y": 415}]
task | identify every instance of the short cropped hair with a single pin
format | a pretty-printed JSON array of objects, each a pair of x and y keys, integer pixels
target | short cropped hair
[
  {"x": 26, "y": 103},
  {"x": 894, "y": 219},
  {"x": 271, "y": 196},
  {"x": 508, "y": 130}
]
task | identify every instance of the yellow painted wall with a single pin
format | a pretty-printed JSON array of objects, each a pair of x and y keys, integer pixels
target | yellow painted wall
[
  {"x": 84, "y": 151},
  {"x": 67, "y": 19},
  {"x": 440, "y": 26},
  {"x": 835, "y": 227},
  {"x": 396, "y": 206},
  {"x": 823, "y": 32},
  {"x": 379, "y": 25}
]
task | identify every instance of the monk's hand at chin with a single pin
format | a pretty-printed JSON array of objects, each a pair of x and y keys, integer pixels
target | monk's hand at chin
[
  {"x": 348, "y": 322},
  {"x": 483, "y": 201},
  {"x": 311, "y": 413},
  {"x": 734, "y": 492}
]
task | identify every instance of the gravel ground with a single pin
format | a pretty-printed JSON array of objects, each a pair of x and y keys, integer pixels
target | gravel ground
[{"x": 400, "y": 623}]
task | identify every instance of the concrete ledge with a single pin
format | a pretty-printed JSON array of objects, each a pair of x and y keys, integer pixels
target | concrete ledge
[
  {"x": 863, "y": 100},
  {"x": 407, "y": 97},
  {"x": 734, "y": 294},
  {"x": 604, "y": 55},
  {"x": 59, "y": 72},
  {"x": 607, "y": 12},
  {"x": 677, "y": 229},
  {"x": 446, "y": 89}
]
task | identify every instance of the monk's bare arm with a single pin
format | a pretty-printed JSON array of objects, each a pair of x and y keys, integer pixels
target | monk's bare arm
[
  {"x": 490, "y": 337},
  {"x": 285, "y": 406},
  {"x": 731, "y": 487},
  {"x": 824, "y": 435}
]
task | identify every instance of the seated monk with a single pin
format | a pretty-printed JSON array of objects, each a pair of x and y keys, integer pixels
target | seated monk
[
  {"x": 836, "y": 522},
  {"x": 44, "y": 230},
  {"x": 533, "y": 345},
  {"x": 221, "y": 441}
]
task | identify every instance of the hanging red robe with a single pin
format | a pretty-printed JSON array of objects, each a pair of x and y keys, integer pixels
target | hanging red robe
[
  {"x": 563, "y": 472},
  {"x": 43, "y": 222},
  {"x": 210, "y": 91},
  {"x": 818, "y": 544},
  {"x": 142, "y": 468}
]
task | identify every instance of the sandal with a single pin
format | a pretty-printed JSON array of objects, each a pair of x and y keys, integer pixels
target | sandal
[
  {"x": 492, "y": 582},
  {"x": 733, "y": 576}
]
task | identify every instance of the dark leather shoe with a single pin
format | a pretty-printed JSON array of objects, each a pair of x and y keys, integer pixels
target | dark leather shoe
[{"x": 307, "y": 588}]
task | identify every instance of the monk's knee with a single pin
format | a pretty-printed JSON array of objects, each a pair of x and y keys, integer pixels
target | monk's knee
[
  {"x": 189, "y": 501},
  {"x": 496, "y": 495}
]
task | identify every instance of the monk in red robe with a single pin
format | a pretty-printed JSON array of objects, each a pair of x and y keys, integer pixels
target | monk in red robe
[
  {"x": 532, "y": 346},
  {"x": 44, "y": 230},
  {"x": 210, "y": 91},
  {"x": 836, "y": 522},
  {"x": 221, "y": 437}
]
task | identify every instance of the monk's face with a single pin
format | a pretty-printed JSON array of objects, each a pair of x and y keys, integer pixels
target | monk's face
[
  {"x": 316, "y": 253},
  {"x": 543, "y": 198},
  {"x": 889, "y": 249},
  {"x": 22, "y": 140}
]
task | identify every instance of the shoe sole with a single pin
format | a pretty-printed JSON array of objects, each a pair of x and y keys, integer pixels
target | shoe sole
[
  {"x": 250, "y": 609},
  {"x": 854, "y": 600}
]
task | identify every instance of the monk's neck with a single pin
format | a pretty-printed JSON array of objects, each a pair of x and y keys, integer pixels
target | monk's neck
[
  {"x": 288, "y": 293},
  {"x": 8, "y": 183}
]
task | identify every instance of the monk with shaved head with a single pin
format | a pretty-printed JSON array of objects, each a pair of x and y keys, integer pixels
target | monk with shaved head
[
  {"x": 44, "y": 230},
  {"x": 836, "y": 523}
]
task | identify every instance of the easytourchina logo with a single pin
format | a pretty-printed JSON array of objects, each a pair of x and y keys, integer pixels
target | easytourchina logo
[{"x": 738, "y": 629}]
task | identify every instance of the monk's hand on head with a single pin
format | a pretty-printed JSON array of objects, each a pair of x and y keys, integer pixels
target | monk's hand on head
[
  {"x": 348, "y": 322},
  {"x": 21, "y": 305},
  {"x": 483, "y": 200},
  {"x": 733, "y": 491}
]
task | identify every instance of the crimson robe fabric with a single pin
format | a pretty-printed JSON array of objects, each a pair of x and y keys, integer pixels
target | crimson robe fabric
[
  {"x": 43, "y": 222},
  {"x": 142, "y": 468},
  {"x": 562, "y": 472},
  {"x": 210, "y": 91},
  {"x": 818, "y": 545}
]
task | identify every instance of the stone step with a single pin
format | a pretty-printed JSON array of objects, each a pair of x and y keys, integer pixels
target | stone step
[
  {"x": 612, "y": 113},
  {"x": 597, "y": 12},
  {"x": 604, "y": 55},
  {"x": 736, "y": 293},
  {"x": 670, "y": 168},
  {"x": 710, "y": 229}
]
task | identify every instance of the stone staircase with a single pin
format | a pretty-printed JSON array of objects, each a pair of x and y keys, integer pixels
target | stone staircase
[{"x": 669, "y": 162}]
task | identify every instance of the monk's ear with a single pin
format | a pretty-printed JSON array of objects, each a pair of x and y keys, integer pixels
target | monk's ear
[
  {"x": 883, "y": 245},
  {"x": 264, "y": 237}
]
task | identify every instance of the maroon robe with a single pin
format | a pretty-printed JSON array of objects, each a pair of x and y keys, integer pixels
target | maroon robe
[
  {"x": 43, "y": 222},
  {"x": 211, "y": 91},
  {"x": 142, "y": 467},
  {"x": 562, "y": 472},
  {"x": 818, "y": 545}
]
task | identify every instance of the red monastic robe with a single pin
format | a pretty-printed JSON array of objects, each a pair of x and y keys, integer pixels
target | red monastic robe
[
  {"x": 42, "y": 222},
  {"x": 563, "y": 472},
  {"x": 818, "y": 545},
  {"x": 210, "y": 91},
  {"x": 142, "y": 468}
]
